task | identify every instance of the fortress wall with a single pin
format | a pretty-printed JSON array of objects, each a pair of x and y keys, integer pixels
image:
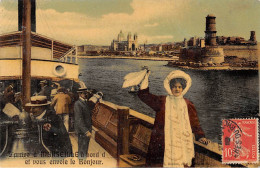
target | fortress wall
[
  {"x": 250, "y": 52},
  {"x": 190, "y": 55}
]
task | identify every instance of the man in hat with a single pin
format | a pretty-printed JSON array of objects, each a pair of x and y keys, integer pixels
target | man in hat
[
  {"x": 9, "y": 94},
  {"x": 54, "y": 133},
  {"x": 61, "y": 102},
  {"x": 83, "y": 122},
  {"x": 45, "y": 89}
]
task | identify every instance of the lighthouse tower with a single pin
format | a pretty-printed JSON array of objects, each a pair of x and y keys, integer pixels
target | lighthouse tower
[
  {"x": 210, "y": 33},
  {"x": 211, "y": 53}
]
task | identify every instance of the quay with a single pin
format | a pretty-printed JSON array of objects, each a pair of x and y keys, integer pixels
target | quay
[
  {"x": 210, "y": 66},
  {"x": 135, "y": 58},
  {"x": 226, "y": 68}
]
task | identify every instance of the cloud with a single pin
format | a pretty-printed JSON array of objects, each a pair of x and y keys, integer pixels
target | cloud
[
  {"x": 156, "y": 38},
  {"x": 151, "y": 25},
  {"x": 8, "y": 24},
  {"x": 76, "y": 28}
]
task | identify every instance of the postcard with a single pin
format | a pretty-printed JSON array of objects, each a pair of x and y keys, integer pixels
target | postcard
[{"x": 129, "y": 84}]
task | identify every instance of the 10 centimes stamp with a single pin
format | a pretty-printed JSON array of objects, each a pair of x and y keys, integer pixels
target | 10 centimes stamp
[{"x": 240, "y": 141}]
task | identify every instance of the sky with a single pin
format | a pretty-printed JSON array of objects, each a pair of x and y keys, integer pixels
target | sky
[{"x": 98, "y": 22}]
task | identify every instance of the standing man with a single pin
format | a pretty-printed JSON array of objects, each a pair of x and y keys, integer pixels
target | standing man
[
  {"x": 45, "y": 89},
  {"x": 61, "y": 103},
  {"x": 83, "y": 122}
]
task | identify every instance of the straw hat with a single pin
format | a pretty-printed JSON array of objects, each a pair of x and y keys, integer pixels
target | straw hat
[
  {"x": 43, "y": 82},
  {"x": 82, "y": 90},
  {"x": 38, "y": 101}
]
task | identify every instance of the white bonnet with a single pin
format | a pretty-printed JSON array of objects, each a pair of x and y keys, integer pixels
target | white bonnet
[{"x": 177, "y": 74}]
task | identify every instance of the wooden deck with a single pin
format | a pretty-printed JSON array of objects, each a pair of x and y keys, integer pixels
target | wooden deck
[
  {"x": 98, "y": 158},
  {"x": 97, "y": 154}
]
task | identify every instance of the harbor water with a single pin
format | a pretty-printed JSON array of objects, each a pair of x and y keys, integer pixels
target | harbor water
[{"x": 215, "y": 94}]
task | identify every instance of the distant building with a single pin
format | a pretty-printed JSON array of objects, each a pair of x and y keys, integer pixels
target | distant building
[
  {"x": 163, "y": 47},
  {"x": 219, "y": 49},
  {"x": 120, "y": 44},
  {"x": 89, "y": 49},
  {"x": 194, "y": 42}
]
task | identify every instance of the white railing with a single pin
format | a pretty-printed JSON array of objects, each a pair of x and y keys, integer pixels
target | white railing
[{"x": 70, "y": 55}]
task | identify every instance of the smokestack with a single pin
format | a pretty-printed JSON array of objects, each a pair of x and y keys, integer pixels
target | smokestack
[{"x": 33, "y": 15}]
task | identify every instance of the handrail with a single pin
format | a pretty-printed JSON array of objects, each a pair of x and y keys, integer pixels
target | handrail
[
  {"x": 68, "y": 52},
  {"x": 141, "y": 116},
  {"x": 212, "y": 146}
]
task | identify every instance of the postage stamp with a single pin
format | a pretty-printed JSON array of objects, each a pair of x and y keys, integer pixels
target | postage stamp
[{"x": 240, "y": 141}]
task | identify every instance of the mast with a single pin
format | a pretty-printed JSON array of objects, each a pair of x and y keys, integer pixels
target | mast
[
  {"x": 33, "y": 15},
  {"x": 26, "y": 59}
]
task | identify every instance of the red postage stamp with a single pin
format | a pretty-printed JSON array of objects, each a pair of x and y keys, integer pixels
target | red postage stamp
[{"x": 240, "y": 141}]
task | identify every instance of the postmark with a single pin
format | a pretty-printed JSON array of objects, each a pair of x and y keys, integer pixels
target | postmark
[{"x": 240, "y": 141}]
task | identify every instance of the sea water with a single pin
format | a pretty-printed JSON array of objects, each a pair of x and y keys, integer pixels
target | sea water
[{"x": 215, "y": 94}]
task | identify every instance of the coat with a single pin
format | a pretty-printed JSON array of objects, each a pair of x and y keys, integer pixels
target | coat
[
  {"x": 83, "y": 119},
  {"x": 62, "y": 102},
  {"x": 155, "y": 154},
  {"x": 57, "y": 138}
]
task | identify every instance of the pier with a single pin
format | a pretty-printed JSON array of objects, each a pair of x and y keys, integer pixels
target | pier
[{"x": 135, "y": 58}]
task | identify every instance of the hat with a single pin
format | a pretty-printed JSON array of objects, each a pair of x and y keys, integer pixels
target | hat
[
  {"x": 61, "y": 89},
  {"x": 38, "y": 101},
  {"x": 57, "y": 85},
  {"x": 177, "y": 74},
  {"x": 43, "y": 81},
  {"x": 82, "y": 90}
]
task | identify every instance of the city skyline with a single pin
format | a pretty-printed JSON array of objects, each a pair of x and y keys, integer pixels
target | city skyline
[{"x": 98, "y": 22}]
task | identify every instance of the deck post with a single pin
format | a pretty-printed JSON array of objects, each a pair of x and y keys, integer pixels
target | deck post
[
  {"x": 26, "y": 62},
  {"x": 123, "y": 131}
]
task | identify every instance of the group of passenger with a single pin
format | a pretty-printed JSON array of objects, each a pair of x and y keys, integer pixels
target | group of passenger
[{"x": 51, "y": 108}]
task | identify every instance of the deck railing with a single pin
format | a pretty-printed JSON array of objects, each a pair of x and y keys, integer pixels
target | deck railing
[{"x": 133, "y": 136}]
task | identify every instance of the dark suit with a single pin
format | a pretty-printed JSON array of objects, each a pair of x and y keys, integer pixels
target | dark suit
[
  {"x": 57, "y": 138},
  {"x": 83, "y": 124}
]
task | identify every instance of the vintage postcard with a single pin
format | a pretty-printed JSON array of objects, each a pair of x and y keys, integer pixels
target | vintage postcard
[{"x": 129, "y": 83}]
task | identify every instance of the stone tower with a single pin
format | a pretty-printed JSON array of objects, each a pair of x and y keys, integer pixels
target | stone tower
[
  {"x": 210, "y": 33},
  {"x": 120, "y": 36},
  {"x": 129, "y": 37},
  {"x": 135, "y": 36},
  {"x": 252, "y": 36}
]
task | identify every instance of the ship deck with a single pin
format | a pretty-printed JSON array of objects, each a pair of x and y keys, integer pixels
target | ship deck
[
  {"x": 96, "y": 153},
  {"x": 98, "y": 158}
]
